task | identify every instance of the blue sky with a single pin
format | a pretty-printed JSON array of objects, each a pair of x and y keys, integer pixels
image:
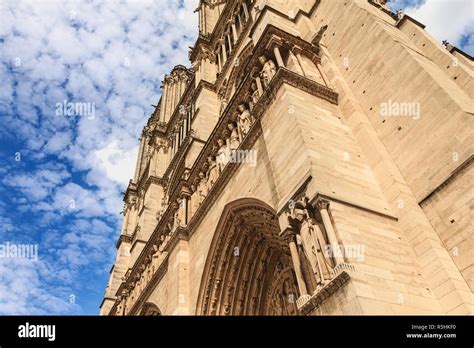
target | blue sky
[{"x": 61, "y": 176}]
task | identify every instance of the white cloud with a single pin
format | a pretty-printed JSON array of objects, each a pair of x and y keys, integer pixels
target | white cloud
[
  {"x": 39, "y": 184},
  {"x": 112, "y": 54},
  {"x": 446, "y": 19},
  {"x": 22, "y": 291},
  {"x": 119, "y": 165}
]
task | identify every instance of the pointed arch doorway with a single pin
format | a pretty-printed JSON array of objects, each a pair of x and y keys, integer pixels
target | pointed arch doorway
[{"x": 248, "y": 269}]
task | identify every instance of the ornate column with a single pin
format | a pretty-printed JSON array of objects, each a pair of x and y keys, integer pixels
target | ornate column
[
  {"x": 164, "y": 96},
  {"x": 300, "y": 61},
  {"x": 219, "y": 63},
  {"x": 185, "y": 123},
  {"x": 234, "y": 32},
  {"x": 259, "y": 85},
  {"x": 288, "y": 233},
  {"x": 229, "y": 40},
  {"x": 246, "y": 11},
  {"x": 169, "y": 97},
  {"x": 224, "y": 53},
  {"x": 139, "y": 162},
  {"x": 278, "y": 57},
  {"x": 241, "y": 24},
  {"x": 323, "y": 75},
  {"x": 323, "y": 205},
  {"x": 295, "y": 62},
  {"x": 186, "y": 197},
  {"x": 176, "y": 142}
]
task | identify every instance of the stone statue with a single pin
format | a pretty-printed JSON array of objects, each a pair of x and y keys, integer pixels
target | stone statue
[
  {"x": 268, "y": 71},
  {"x": 222, "y": 107},
  {"x": 255, "y": 94},
  {"x": 202, "y": 187},
  {"x": 313, "y": 242},
  {"x": 212, "y": 172},
  {"x": 288, "y": 294},
  {"x": 233, "y": 142},
  {"x": 245, "y": 120},
  {"x": 223, "y": 155},
  {"x": 277, "y": 304},
  {"x": 176, "y": 220},
  {"x": 313, "y": 248}
]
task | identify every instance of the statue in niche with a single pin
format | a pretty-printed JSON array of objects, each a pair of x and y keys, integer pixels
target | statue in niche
[
  {"x": 176, "y": 220},
  {"x": 164, "y": 206},
  {"x": 212, "y": 173},
  {"x": 233, "y": 141},
  {"x": 245, "y": 120},
  {"x": 313, "y": 241},
  {"x": 324, "y": 260},
  {"x": 254, "y": 94},
  {"x": 289, "y": 294},
  {"x": 161, "y": 248},
  {"x": 202, "y": 187},
  {"x": 223, "y": 155},
  {"x": 222, "y": 107},
  {"x": 221, "y": 95},
  {"x": 277, "y": 304},
  {"x": 268, "y": 70}
]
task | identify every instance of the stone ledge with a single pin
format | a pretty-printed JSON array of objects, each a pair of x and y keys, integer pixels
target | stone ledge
[{"x": 307, "y": 303}]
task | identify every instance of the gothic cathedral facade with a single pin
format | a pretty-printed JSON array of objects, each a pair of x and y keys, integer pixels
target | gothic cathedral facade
[{"x": 315, "y": 159}]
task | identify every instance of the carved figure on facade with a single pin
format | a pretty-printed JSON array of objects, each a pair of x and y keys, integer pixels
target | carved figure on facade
[
  {"x": 312, "y": 239},
  {"x": 255, "y": 95},
  {"x": 176, "y": 219},
  {"x": 268, "y": 70},
  {"x": 202, "y": 188},
  {"x": 233, "y": 141},
  {"x": 223, "y": 154},
  {"x": 245, "y": 120},
  {"x": 222, "y": 97},
  {"x": 212, "y": 172}
]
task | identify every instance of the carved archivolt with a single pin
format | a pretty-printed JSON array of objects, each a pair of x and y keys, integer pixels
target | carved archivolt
[
  {"x": 248, "y": 270},
  {"x": 237, "y": 75}
]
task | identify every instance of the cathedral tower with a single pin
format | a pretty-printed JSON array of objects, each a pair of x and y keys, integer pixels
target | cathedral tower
[{"x": 316, "y": 159}]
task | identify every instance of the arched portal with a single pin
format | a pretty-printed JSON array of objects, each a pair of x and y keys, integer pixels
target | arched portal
[{"x": 248, "y": 270}]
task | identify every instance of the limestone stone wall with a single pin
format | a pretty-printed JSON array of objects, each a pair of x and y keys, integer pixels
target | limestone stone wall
[
  {"x": 247, "y": 181},
  {"x": 399, "y": 186},
  {"x": 450, "y": 212}
]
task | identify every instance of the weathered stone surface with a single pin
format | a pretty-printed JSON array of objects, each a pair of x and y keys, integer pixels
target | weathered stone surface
[{"x": 316, "y": 160}]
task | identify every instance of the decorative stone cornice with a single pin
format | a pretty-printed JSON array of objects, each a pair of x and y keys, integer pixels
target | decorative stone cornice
[
  {"x": 123, "y": 290},
  {"x": 201, "y": 51},
  {"x": 130, "y": 192},
  {"x": 309, "y": 303},
  {"x": 124, "y": 238},
  {"x": 159, "y": 273},
  {"x": 146, "y": 181},
  {"x": 322, "y": 203},
  {"x": 223, "y": 179},
  {"x": 463, "y": 168}
]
